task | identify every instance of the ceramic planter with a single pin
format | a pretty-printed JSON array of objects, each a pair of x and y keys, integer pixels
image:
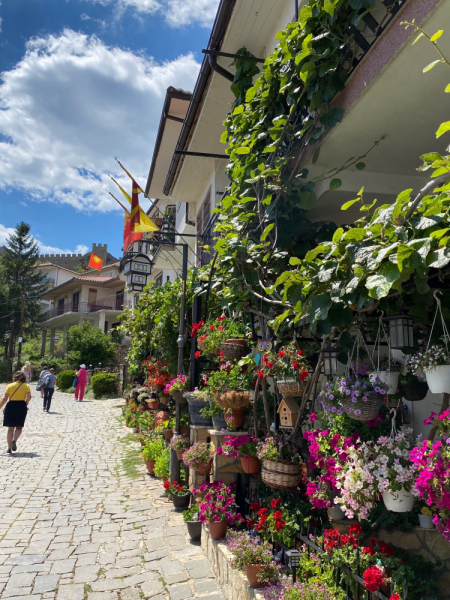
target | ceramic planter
[
  {"x": 204, "y": 469},
  {"x": 150, "y": 464},
  {"x": 194, "y": 530},
  {"x": 153, "y": 404},
  {"x": 184, "y": 430},
  {"x": 401, "y": 501},
  {"x": 426, "y": 521},
  {"x": 252, "y": 572},
  {"x": 219, "y": 423},
  {"x": 289, "y": 388},
  {"x": 234, "y": 417},
  {"x": 335, "y": 513},
  {"x": 438, "y": 379},
  {"x": 388, "y": 380},
  {"x": 178, "y": 397},
  {"x": 250, "y": 465},
  {"x": 217, "y": 529},
  {"x": 181, "y": 502},
  {"x": 195, "y": 406},
  {"x": 168, "y": 434}
]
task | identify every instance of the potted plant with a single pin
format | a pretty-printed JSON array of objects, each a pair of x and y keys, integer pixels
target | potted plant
[
  {"x": 193, "y": 524},
  {"x": 243, "y": 447},
  {"x": 180, "y": 495},
  {"x": 280, "y": 463},
  {"x": 434, "y": 362},
  {"x": 224, "y": 336},
  {"x": 216, "y": 413},
  {"x": 197, "y": 400},
  {"x": 180, "y": 443},
  {"x": 198, "y": 457},
  {"x": 184, "y": 424},
  {"x": 146, "y": 421},
  {"x": 176, "y": 388},
  {"x": 151, "y": 452},
  {"x": 230, "y": 387},
  {"x": 274, "y": 524},
  {"x": 162, "y": 465},
  {"x": 217, "y": 507},
  {"x": 387, "y": 374},
  {"x": 360, "y": 398},
  {"x": 290, "y": 368},
  {"x": 426, "y": 518},
  {"x": 168, "y": 425},
  {"x": 412, "y": 385},
  {"x": 253, "y": 557}
]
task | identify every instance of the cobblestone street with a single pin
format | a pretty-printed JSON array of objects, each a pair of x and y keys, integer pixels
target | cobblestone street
[{"x": 75, "y": 526}]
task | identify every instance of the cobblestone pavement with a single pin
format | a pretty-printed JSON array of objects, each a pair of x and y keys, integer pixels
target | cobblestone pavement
[{"x": 75, "y": 526}]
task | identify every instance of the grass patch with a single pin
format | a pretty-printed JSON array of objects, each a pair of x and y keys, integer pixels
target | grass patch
[
  {"x": 100, "y": 573},
  {"x": 87, "y": 590}
]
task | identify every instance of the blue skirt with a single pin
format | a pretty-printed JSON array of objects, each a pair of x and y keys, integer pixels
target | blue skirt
[{"x": 15, "y": 413}]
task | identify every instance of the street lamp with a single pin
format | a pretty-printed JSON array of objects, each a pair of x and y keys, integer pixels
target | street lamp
[
  {"x": 330, "y": 360},
  {"x": 293, "y": 561},
  {"x": 137, "y": 270},
  {"x": 401, "y": 334},
  {"x": 56, "y": 339}
]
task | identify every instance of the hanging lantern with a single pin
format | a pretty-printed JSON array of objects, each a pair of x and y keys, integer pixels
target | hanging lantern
[
  {"x": 401, "y": 334},
  {"x": 330, "y": 361},
  {"x": 137, "y": 270}
]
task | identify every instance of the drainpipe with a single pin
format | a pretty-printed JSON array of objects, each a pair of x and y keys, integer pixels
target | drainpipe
[{"x": 296, "y": 10}]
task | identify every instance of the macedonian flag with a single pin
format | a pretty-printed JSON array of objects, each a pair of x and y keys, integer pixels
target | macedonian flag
[
  {"x": 145, "y": 223},
  {"x": 95, "y": 262}
]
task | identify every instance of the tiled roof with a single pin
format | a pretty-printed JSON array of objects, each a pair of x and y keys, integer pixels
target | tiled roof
[{"x": 97, "y": 278}]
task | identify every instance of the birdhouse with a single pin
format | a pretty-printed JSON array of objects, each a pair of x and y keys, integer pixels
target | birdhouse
[{"x": 288, "y": 411}]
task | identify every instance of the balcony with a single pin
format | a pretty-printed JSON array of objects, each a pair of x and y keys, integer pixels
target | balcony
[{"x": 85, "y": 308}]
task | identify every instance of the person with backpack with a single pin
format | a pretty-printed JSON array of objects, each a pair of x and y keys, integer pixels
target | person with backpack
[
  {"x": 81, "y": 376},
  {"x": 44, "y": 372},
  {"x": 49, "y": 388},
  {"x": 17, "y": 397}
]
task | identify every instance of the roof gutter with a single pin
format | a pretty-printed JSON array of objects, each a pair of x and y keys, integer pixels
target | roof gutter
[{"x": 209, "y": 63}]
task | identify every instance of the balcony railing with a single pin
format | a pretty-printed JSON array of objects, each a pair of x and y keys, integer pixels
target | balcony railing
[
  {"x": 85, "y": 308},
  {"x": 206, "y": 242}
]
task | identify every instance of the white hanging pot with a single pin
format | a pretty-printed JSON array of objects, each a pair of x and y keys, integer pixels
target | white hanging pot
[
  {"x": 426, "y": 521},
  {"x": 387, "y": 380},
  {"x": 335, "y": 513},
  {"x": 401, "y": 501},
  {"x": 438, "y": 379}
]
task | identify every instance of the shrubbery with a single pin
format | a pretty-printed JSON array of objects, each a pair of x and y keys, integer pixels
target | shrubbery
[
  {"x": 162, "y": 465},
  {"x": 104, "y": 384},
  {"x": 65, "y": 379}
]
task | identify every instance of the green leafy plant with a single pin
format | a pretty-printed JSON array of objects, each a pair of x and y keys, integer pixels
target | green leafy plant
[
  {"x": 191, "y": 514},
  {"x": 199, "y": 454},
  {"x": 104, "y": 384},
  {"x": 230, "y": 377},
  {"x": 154, "y": 449},
  {"x": 162, "y": 465},
  {"x": 65, "y": 379},
  {"x": 89, "y": 345},
  {"x": 180, "y": 442}
]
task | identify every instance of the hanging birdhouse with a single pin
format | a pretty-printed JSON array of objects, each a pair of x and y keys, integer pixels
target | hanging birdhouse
[{"x": 288, "y": 411}]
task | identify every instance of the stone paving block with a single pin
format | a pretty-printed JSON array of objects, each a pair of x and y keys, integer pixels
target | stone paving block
[
  {"x": 31, "y": 568},
  {"x": 207, "y": 586},
  {"x": 86, "y": 559},
  {"x": 176, "y": 578},
  {"x": 180, "y": 592},
  {"x": 20, "y": 580},
  {"x": 151, "y": 588},
  {"x": 26, "y": 559},
  {"x": 86, "y": 574},
  {"x": 102, "y": 596},
  {"x": 63, "y": 566},
  {"x": 130, "y": 594},
  {"x": 107, "y": 558},
  {"x": 71, "y": 592},
  {"x": 45, "y": 583},
  {"x": 173, "y": 567},
  {"x": 198, "y": 569},
  {"x": 11, "y": 592}
]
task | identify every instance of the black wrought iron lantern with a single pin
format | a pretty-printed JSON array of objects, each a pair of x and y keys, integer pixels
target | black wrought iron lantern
[
  {"x": 293, "y": 557},
  {"x": 401, "y": 334},
  {"x": 330, "y": 360},
  {"x": 137, "y": 270}
]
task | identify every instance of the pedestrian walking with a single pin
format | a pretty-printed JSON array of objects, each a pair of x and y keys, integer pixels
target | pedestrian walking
[
  {"x": 81, "y": 375},
  {"x": 43, "y": 374},
  {"x": 49, "y": 389},
  {"x": 17, "y": 397},
  {"x": 27, "y": 370}
]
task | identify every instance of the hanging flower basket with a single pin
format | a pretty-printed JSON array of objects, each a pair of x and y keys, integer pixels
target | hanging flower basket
[
  {"x": 366, "y": 411},
  {"x": 203, "y": 469},
  {"x": 178, "y": 397},
  {"x": 290, "y": 388},
  {"x": 234, "y": 417},
  {"x": 438, "y": 379},
  {"x": 413, "y": 391},
  {"x": 398, "y": 502},
  {"x": 388, "y": 379},
  {"x": 250, "y": 465},
  {"x": 233, "y": 399},
  {"x": 234, "y": 349},
  {"x": 281, "y": 475}
]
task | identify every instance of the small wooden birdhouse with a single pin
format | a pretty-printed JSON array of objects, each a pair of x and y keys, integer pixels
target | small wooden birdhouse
[{"x": 288, "y": 411}]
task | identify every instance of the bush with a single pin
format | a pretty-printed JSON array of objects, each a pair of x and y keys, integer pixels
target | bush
[
  {"x": 154, "y": 449},
  {"x": 162, "y": 464},
  {"x": 104, "y": 384},
  {"x": 3, "y": 370},
  {"x": 65, "y": 379},
  {"x": 89, "y": 345}
]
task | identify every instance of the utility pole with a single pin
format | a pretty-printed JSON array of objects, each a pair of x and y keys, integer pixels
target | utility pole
[
  {"x": 11, "y": 346},
  {"x": 22, "y": 311}
]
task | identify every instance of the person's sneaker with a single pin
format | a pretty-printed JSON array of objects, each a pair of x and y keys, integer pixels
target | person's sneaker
[
  {"x": 9, "y": 451},
  {"x": 14, "y": 445}
]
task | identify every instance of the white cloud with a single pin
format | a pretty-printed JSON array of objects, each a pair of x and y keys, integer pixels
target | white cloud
[
  {"x": 43, "y": 248},
  {"x": 72, "y": 104},
  {"x": 177, "y": 13}
]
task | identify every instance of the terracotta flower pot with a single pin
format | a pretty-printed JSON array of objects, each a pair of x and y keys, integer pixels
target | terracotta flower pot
[
  {"x": 165, "y": 479},
  {"x": 234, "y": 417},
  {"x": 184, "y": 430},
  {"x": 180, "y": 454},
  {"x": 218, "y": 529},
  {"x": 168, "y": 434},
  {"x": 204, "y": 469},
  {"x": 153, "y": 404},
  {"x": 252, "y": 572},
  {"x": 250, "y": 465},
  {"x": 150, "y": 464}
]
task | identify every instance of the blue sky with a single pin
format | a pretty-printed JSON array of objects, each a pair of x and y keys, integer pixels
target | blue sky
[{"x": 83, "y": 81}]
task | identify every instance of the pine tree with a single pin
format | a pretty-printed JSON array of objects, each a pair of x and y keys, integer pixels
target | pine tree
[{"x": 19, "y": 277}]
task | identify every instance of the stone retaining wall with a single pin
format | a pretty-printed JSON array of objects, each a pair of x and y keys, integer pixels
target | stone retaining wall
[{"x": 234, "y": 584}]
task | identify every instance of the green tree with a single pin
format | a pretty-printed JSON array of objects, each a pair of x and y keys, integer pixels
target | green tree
[{"x": 89, "y": 345}]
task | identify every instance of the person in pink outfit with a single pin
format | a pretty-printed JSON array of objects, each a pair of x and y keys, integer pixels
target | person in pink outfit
[{"x": 81, "y": 383}]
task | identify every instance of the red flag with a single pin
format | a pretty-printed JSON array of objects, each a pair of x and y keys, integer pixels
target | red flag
[
  {"x": 129, "y": 236},
  {"x": 135, "y": 213},
  {"x": 95, "y": 262}
]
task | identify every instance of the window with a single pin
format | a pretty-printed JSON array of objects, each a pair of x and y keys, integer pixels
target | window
[
  {"x": 119, "y": 299},
  {"x": 203, "y": 216},
  {"x": 159, "y": 280},
  {"x": 75, "y": 301}
]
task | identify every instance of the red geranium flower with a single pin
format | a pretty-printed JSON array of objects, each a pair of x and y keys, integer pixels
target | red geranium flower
[
  {"x": 394, "y": 597},
  {"x": 279, "y": 525},
  {"x": 277, "y": 515},
  {"x": 221, "y": 318},
  {"x": 250, "y": 523},
  {"x": 275, "y": 503},
  {"x": 262, "y": 512},
  {"x": 300, "y": 352},
  {"x": 220, "y": 328},
  {"x": 296, "y": 365},
  {"x": 198, "y": 354},
  {"x": 166, "y": 485},
  {"x": 373, "y": 578},
  {"x": 255, "y": 506},
  {"x": 260, "y": 374},
  {"x": 356, "y": 528},
  {"x": 281, "y": 354},
  {"x": 211, "y": 327},
  {"x": 304, "y": 374}
]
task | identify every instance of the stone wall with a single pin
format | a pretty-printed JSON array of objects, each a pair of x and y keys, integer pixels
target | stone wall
[{"x": 430, "y": 544}]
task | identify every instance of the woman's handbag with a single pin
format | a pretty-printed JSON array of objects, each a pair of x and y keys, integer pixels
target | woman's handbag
[
  {"x": 39, "y": 385},
  {"x": 75, "y": 381}
]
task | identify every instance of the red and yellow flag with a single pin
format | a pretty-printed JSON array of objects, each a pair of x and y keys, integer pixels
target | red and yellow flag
[{"x": 95, "y": 262}]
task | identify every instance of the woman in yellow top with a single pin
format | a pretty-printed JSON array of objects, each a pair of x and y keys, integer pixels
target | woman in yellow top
[{"x": 18, "y": 396}]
